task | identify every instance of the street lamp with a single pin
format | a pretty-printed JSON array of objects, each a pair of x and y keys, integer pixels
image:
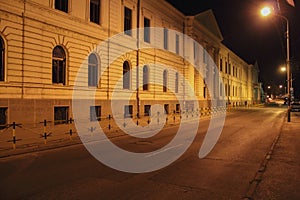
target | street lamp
[
  {"x": 266, "y": 11},
  {"x": 283, "y": 69}
]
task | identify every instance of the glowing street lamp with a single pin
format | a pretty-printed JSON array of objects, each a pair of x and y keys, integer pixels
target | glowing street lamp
[
  {"x": 283, "y": 69},
  {"x": 266, "y": 11}
]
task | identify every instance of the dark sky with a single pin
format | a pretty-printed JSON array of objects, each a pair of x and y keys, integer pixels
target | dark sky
[{"x": 253, "y": 37}]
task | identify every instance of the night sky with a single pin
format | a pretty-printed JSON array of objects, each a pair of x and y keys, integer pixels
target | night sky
[{"x": 253, "y": 37}]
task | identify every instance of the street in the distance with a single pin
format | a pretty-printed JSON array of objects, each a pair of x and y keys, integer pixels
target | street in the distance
[{"x": 226, "y": 173}]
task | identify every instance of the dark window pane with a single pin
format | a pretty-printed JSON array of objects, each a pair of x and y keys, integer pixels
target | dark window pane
[
  {"x": 58, "y": 65},
  {"x": 54, "y": 71},
  {"x": 166, "y": 108},
  {"x": 61, "y": 5},
  {"x": 61, "y": 115},
  {"x": 145, "y": 78},
  {"x": 204, "y": 56},
  {"x": 177, "y": 44},
  {"x": 176, "y": 82},
  {"x": 147, "y": 110},
  {"x": 93, "y": 70},
  {"x": 127, "y": 21},
  {"x": 3, "y": 118},
  {"x": 95, "y": 11},
  {"x": 165, "y": 38},
  {"x": 126, "y": 75},
  {"x": 178, "y": 108},
  {"x": 2, "y": 53},
  {"x": 165, "y": 81},
  {"x": 61, "y": 72},
  {"x": 147, "y": 30},
  {"x": 128, "y": 111},
  {"x": 95, "y": 113}
]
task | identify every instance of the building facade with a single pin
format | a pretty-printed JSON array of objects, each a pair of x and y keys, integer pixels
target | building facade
[{"x": 45, "y": 43}]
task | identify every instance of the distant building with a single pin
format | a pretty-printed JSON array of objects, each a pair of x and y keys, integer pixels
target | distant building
[{"x": 43, "y": 44}]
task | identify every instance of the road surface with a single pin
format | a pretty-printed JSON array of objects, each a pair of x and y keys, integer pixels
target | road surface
[{"x": 73, "y": 173}]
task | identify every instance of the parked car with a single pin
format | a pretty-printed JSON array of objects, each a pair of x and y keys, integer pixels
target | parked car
[{"x": 295, "y": 106}]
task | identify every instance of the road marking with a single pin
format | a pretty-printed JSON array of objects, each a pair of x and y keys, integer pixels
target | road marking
[{"x": 158, "y": 152}]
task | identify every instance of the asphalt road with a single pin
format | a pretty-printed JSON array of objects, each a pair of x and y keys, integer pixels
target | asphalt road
[{"x": 73, "y": 173}]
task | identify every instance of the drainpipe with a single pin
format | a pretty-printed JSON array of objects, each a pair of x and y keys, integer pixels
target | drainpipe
[
  {"x": 228, "y": 76},
  {"x": 184, "y": 63},
  {"x": 137, "y": 58},
  {"x": 23, "y": 46},
  {"x": 108, "y": 52}
]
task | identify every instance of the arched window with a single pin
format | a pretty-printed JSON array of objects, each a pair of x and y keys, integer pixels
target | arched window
[
  {"x": 145, "y": 78},
  {"x": 93, "y": 70},
  {"x": 165, "y": 81},
  {"x": 126, "y": 75},
  {"x": 2, "y": 57},
  {"x": 176, "y": 82},
  {"x": 58, "y": 65}
]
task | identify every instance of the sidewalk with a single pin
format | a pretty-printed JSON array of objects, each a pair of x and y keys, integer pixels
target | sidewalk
[
  {"x": 281, "y": 179},
  {"x": 31, "y": 137}
]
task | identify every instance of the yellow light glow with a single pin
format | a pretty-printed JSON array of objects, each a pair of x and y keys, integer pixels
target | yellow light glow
[
  {"x": 265, "y": 11},
  {"x": 283, "y": 69}
]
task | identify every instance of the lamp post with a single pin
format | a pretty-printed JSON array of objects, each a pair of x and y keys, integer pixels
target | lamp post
[{"x": 266, "y": 11}]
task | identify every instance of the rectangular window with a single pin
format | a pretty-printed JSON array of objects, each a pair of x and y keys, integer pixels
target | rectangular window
[
  {"x": 226, "y": 67},
  {"x": 61, "y": 115},
  {"x": 195, "y": 51},
  {"x": 62, "y": 5},
  {"x": 204, "y": 56},
  {"x": 2, "y": 56},
  {"x": 95, "y": 113},
  {"x": 147, "y": 110},
  {"x": 128, "y": 111},
  {"x": 3, "y": 118},
  {"x": 165, "y": 81},
  {"x": 146, "y": 30},
  {"x": 221, "y": 90},
  {"x": 127, "y": 21},
  {"x": 178, "y": 108},
  {"x": 221, "y": 64},
  {"x": 176, "y": 82},
  {"x": 166, "y": 107},
  {"x": 177, "y": 44},
  {"x": 166, "y": 38},
  {"x": 95, "y": 11}
]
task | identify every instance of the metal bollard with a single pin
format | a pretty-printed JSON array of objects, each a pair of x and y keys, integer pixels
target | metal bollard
[
  {"x": 109, "y": 118},
  {"x": 70, "y": 128},
  {"x": 14, "y": 135},
  {"x": 45, "y": 134}
]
